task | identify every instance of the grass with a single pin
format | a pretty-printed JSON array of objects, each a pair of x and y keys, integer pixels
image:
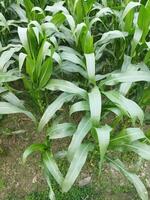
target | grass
[
  {"x": 2, "y": 184},
  {"x": 76, "y": 193}
]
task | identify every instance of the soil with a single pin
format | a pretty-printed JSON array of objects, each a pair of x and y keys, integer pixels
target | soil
[{"x": 17, "y": 178}]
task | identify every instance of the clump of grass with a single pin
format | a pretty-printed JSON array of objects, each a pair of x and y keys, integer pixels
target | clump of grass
[
  {"x": 75, "y": 193},
  {"x": 2, "y": 184}
]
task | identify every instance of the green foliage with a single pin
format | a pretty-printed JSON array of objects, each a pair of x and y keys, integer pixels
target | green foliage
[
  {"x": 2, "y": 184},
  {"x": 94, "y": 56},
  {"x": 74, "y": 194}
]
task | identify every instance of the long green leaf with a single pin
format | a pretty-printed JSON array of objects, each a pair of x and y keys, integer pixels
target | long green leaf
[
  {"x": 103, "y": 135},
  {"x": 72, "y": 57},
  {"x": 33, "y": 148},
  {"x": 128, "y": 135},
  {"x": 104, "y": 2},
  {"x": 76, "y": 165},
  {"x": 6, "y": 56},
  {"x": 61, "y": 130},
  {"x": 11, "y": 98},
  {"x": 82, "y": 130},
  {"x": 141, "y": 149},
  {"x": 79, "y": 106},
  {"x": 11, "y": 75},
  {"x": 45, "y": 72},
  {"x": 53, "y": 108},
  {"x": 90, "y": 64},
  {"x": 144, "y": 21},
  {"x": 128, "y": 106},
  {"x": 103, "y": 12},
  {"x": 133, "y": 178},
  {"x": 57, "y": 7},
  {"x": 51, "y": 192},
  {"x": 22, "y": 58},
  {"x": 111, "y": 35},
  {"x": 73, "y": 68},
  {"x": 7, "y": 108},
  {"x": 129, "y": 7},
  {"x": 65, "y": 86},
  {"x": 95, "y": 104},
  {"x": 22, "y": 32},
  {"x": 52, "y": 167},
  {"x": 134, "y": 134},
  {"x": 136, "y": 39},
  {"x": 127, "y": 77}
]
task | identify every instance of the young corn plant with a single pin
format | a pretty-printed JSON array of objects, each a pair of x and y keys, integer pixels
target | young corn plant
[
  {"x": 10, "y": 103},
  {"x": 99, "y": 96},
  {"x": 38, "y": 60}
]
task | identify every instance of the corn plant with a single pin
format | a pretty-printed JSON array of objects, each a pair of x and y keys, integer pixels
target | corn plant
[
  {"x": 38, "y": 56},
  {"x": 10, "y": 103},
  {"x": 71, "y": 49}
]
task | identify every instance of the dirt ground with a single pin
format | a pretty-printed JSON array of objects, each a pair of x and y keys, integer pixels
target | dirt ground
[
  {"x": 16, "y": 133},
  {"x": 15, "y": 177}
]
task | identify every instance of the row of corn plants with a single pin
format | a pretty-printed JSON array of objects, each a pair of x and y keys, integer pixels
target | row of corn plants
[{"x": 92, "y": 56}]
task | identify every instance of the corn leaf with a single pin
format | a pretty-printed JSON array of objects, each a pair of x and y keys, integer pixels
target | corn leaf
[
  {"x": 53, "y": 108},
  {"x": 6, "y": 56},
  {"x": 57, "y": 7},
  {"x": 76, "y": 165},
  {"x": 127, "y": 77},
  {"x": 95, "y": 104},
  {"x": 128, "y": 106},
  {"x": 52, "y": 167},
  {"x": 103, "y": 135},
  {"x": 46, "y": 72},
  {"x": 129, "y": 7},
  {"x": 90, "y": 64},
  {"x": 65, "y": 86},
  {"x": 133, "y": 178},
  {"x": 136, "y": 39},
  {"x": 82, "y": 130},
  {"x": 51, "y": 192},
  {"x": 111, "y": 35},
  {"x": 8, "y": 108},
  {"x": 144, "y": 21},
  {"x": 22, "y": 32},
  {"x": 33, "y": 148},
  {"x": 11, "y": 98},
  {"x": 61, "y": 130},
  {"x": 73, "y": 68},
  {"x": 127, "y": 136},
  {"x": 141, "y": 149},
  {"x": 79, "y": 106},
  {"x": 22, "y": 58},
  {"x": 11, "y": 75},
  {"x": 72, "y": 57}
]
